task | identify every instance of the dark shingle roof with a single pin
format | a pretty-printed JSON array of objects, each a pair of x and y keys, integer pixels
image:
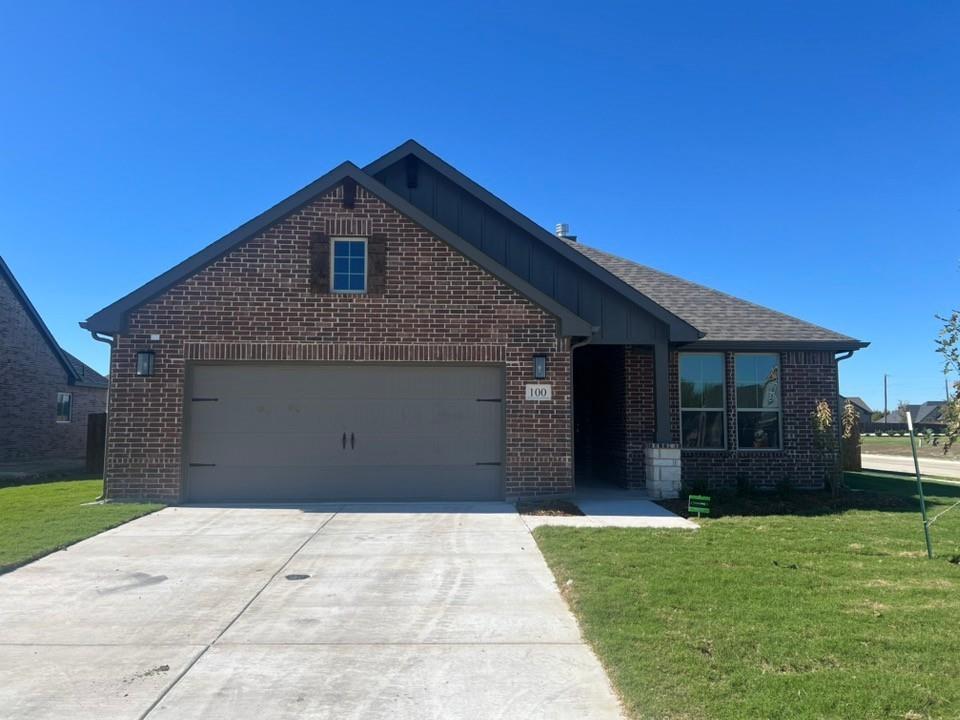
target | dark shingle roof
[
  {"x": 719, "y": 316},
  {"x": 18, "y": 292},
  {"x": 859, "y": 402},
  {"x": 86, "y": 375}
]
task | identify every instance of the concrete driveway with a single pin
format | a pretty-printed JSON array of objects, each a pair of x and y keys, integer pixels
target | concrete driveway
[{"x": 351, "y": 611}]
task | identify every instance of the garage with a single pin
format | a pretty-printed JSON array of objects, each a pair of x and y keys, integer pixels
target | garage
[{"x": 284, "y": 432}]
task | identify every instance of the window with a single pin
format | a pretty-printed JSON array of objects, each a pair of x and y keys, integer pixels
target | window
[
  {"x": 702, "y": 401},
  {"x": 64, "y": 403},
  {"x": 758, "y": 401},
  {"x": 349, "y": 260}
]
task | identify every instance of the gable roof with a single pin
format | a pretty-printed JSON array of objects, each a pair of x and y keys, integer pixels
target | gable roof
[
  {"x": 724, "y": 319},
  {"x": 87, "y": 376},
  {"x": 113, "y": 318},
  {"x": 680, "y": 328},
  {"x": 859, "y": 402},
  {"x": 693, "y": 313},
  {"x": 930, "y": 412},
  {"x": 41, "y": 326}
]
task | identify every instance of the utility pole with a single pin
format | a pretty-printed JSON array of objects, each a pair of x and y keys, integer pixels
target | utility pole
[{"x": 885, "y": 411}]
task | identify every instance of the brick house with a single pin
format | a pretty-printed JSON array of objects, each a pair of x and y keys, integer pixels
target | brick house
[
  {"x": 398, "y": 332},
  {"x": 46, "y": 393}
]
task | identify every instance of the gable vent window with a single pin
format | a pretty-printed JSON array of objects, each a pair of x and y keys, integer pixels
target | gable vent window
[
  {"x": 349, "y": 265},
  {"x": 64, "y": 406}
]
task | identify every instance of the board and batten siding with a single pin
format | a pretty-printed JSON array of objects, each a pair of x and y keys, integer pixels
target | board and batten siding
[{"x": 620, "y": 321}]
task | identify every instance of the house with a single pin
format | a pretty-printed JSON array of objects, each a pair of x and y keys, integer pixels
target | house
[
  {"x": 398, "y": 332},
  {"x": 928, "y": 415},
  {"x": 864, "y": 413},
  {"x": 46, "y": 393}
]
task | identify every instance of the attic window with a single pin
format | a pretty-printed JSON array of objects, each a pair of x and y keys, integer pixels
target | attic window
[{"x": 349, "y": 265}]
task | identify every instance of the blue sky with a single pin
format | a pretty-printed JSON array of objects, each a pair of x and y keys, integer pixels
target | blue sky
[{"x": 802, "y": 155}]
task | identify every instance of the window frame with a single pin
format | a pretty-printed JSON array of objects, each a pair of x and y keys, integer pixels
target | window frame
[
  {"x": 779, "y": 410},
  {"x": 366, "y": 265},
  {"x": 69, "y": 400},
  {"x": 724, "y": 411}
]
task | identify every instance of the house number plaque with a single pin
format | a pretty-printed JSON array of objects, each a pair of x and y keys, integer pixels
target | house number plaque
[{"x": 539, "y": 391}]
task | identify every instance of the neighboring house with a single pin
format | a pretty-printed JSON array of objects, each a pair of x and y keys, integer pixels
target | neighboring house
[
  {"x": 45, "y": 392},
  {"x": 398, "y": 332},
  {"x": 927, "y": 415},
  {"x": 864, "y": 413}
]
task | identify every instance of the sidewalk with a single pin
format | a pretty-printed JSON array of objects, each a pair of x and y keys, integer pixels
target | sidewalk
[{"x": 613, "y": 507}]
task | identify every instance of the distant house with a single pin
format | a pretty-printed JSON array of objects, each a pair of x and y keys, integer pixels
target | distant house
[
  {"x": 928, "y": 415},
  {"x": 863, "y": 410},
  {"x": 46, "y": 393}
]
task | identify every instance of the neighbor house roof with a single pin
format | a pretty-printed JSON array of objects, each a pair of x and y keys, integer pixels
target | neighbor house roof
[
  {"x": 724, "y": 319},
  {"x": 859, "y": 402},
  {"x": 929, "y": 412},
  {"x": 86, "y": 375},
  {"x": 73, "y": 375}
]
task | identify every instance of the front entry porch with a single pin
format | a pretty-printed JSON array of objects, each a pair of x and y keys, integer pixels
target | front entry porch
[{"x": 622, "y": 433}]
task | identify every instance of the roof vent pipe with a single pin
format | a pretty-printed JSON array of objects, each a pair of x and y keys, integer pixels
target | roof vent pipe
[{"x": 563, "y": 232}]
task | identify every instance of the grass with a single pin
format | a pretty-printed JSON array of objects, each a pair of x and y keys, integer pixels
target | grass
[
  {"x": 828, "y": 614},
  {"x": 901, "y": 446},
  {"x": 39, "y": 518}
]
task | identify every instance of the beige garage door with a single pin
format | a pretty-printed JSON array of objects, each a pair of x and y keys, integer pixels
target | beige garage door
[{"x": 287, "y": 432}]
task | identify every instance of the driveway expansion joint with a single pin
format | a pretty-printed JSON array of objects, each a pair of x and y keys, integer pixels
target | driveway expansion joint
[{"x": 236, "y": 617}]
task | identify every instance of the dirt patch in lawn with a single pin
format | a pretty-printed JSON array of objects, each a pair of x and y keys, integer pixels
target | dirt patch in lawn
[{"x": 555, "y": 508}]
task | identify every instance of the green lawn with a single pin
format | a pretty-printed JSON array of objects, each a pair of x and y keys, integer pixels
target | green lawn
[
  {"x": 38, "y": 519},
  {"x": 823, "y": 615}
]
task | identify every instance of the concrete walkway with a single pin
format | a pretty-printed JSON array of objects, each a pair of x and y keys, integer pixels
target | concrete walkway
[
  {"x": 613, "y": 507},
  {"x": 904, "y": 464},
  {"x": 353, "y": 611}
]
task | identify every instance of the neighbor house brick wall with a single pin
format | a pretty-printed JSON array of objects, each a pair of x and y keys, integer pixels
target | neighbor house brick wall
[
  {"x": 30, "y": 378},
  {"x": 256, "y": 302},
  {"x": 805, "y": 378}
]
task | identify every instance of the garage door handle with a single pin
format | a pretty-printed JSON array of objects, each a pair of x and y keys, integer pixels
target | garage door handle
[
  {"x": 344, "y": 441},
  {"x": 351, "y": 441}
]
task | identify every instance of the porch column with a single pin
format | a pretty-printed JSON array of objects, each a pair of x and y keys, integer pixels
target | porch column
[
  {"x": 661, "y": 390},
  {"x": 662, "y": 458}
]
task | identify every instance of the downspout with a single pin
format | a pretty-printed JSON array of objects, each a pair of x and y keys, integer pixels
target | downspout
[
  {"x": 838, "y": 359},
  {"x": 111, "y": 341}
]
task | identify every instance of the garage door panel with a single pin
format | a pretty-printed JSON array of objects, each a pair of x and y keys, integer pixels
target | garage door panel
[
  {"x": 246, "y": 483},
  {"x": 276, "y": 432}
]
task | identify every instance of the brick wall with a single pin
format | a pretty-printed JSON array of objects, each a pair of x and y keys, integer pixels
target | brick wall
[
  {"x": 30, "y": 378},
  {"x": 640, "y": 410},
  {"x": 256, "y": 303},
  {"x": 805, "y": 378}
]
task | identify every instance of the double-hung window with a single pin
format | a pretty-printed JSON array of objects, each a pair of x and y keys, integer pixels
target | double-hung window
[
  {"x": 348, "y": 261},
  {"x": 758, "y": 401},
  {"x": 64, "y": 403},
  {"x": 702, "y": 400}
]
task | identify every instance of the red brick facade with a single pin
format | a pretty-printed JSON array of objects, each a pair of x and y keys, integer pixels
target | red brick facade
[
  {"x": 806, "y": 377},
  {"x": 255, "y": 303},
  {"x": 30, "y": 378}
]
